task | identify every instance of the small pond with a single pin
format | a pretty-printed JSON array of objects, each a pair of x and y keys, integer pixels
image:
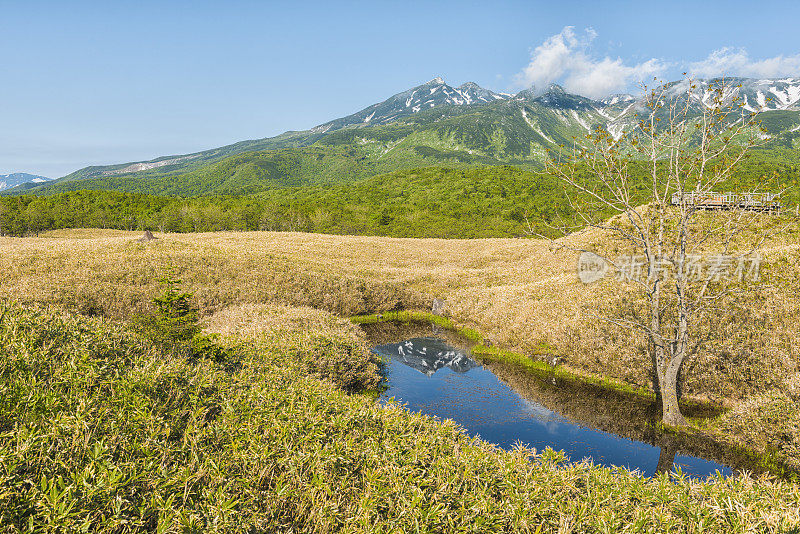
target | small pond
[{"x": 432, "y": 372}]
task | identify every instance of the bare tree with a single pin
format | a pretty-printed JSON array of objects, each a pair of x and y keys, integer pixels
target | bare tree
[{"x": 649, "y": 189}]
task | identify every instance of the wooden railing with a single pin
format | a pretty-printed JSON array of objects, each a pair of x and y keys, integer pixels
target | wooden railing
[{"x": 723, "y": 201}]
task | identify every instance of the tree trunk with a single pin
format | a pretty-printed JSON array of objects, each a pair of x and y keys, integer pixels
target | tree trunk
[
  {"x": 666, "y": 459},
  {"x": 671, "y": 410}
]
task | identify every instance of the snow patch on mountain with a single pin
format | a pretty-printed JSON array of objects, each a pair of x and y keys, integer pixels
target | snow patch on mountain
[
  {"x": 528, "y": 119},
  {"x": 617, "y": 99},
  {"x": 754, "y": 95},
  {"x": 616, "y": 130},
  {"x": 579, "y": 119},
  {"x": 147, "y": 165}
]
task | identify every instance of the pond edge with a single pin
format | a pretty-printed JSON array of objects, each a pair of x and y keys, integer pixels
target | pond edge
[{"x": 769, "y": 460}]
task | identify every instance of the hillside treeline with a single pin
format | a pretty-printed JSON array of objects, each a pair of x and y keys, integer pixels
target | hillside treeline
[
  {"x": 489, "y": 201},
  {"x": 429, "y": 202}
]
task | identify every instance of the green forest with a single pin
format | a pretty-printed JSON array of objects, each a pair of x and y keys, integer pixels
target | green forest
[
  {"x": 427, "y": 202},
  {"x": 433, "y": 201}
]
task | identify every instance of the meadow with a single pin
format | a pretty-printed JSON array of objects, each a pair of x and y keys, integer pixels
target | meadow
[
  {"x": 520, "y": 293},
  {"x": 282, "y": 298}
]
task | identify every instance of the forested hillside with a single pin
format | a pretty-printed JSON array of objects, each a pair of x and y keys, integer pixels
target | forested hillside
[{"x": 435, "y": 201}]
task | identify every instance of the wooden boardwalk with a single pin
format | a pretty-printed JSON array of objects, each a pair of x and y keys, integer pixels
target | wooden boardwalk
[{"x": 728, "y": 201}]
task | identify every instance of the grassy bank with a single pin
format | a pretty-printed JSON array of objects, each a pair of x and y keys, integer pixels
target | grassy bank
[{"x": 100, "y": 431}]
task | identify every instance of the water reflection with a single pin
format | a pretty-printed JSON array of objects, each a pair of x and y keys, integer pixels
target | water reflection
[
  {"x": 503, "y": 405},
  {"x": 434, "y": 354}
]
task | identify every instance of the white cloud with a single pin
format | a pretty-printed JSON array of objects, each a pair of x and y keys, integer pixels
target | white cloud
[
  {"x": 564, "y": 58},
  {"x": 729, "y": 61}
]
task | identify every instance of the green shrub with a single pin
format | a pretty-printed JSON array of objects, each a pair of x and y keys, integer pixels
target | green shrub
[
  {"x": 324, "y": 345},
  {"x": 341, "y": 360},
  {"x": 176, "y": 318},
  {"x": 175, "y": 326}
]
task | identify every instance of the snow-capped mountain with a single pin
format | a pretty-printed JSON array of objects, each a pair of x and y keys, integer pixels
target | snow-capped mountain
[
  {"x": 7, "y": 181},
  {"x": 426, "y": 96},
  {"x": 761, "y": 95},
  {"x": 439, "y": 124},
  {"x": 428, "y": 355},
  {"x": 619, "y": 98}
]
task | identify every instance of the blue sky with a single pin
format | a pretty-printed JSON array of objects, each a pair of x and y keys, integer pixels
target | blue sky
[{"x": 86, "y": 83}]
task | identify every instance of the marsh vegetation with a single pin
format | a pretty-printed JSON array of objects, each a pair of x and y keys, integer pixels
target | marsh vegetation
[
  {"x": 102, "y": 431},
  {"x": 279, "y": 437}
]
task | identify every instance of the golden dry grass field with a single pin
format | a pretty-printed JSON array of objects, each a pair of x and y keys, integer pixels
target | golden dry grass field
[
  {"x": 521, "y": 293},
  {"x": 517, "y": 292}
]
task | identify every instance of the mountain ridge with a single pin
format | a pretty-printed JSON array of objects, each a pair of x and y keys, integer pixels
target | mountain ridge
[{"x": 431, "y": 124}]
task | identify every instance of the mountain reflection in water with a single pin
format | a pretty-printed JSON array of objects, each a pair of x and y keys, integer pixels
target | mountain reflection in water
[
  {"x": 430, "y": 376},
  {"x": 432, "y": 354}
]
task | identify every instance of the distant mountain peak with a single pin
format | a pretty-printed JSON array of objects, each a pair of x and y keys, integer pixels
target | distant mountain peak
[
  {"x": 535, "y": 92},
  {"x": 429, "y": 95},
  {"x": 618, "y": 98},
  {"x": 556, "y": 97},
  {"x": 526, "y": 94},
  {"x": 7, "y": 181},
  {"x": 556, "y": 89}
]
